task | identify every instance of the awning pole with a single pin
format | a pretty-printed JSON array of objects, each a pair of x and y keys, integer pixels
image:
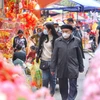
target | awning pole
[
  {"x": 62, "y": 15},
  {"x": 77, "y": 13},
  {"x": 77, "y": 16}
]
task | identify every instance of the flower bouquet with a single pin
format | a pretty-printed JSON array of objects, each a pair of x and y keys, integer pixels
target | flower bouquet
[
  {"x": 92, "y": 81},
  {"x": 13, "y": 85}
]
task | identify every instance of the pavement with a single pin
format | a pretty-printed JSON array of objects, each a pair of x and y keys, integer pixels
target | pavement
[{"x": 80, "y": 81}]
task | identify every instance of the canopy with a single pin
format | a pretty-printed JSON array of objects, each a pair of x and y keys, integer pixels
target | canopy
[
  {"x": 81, "y": 5},
  {"x": 81, "y": 9},
  {"x": 88, "y": 3},
  {"x": 73, "y": 9}
]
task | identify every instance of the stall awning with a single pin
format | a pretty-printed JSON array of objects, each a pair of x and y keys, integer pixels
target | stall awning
[
  {"x": 81, "y": 5},
  {"x": 88, "y": 3},
  {"x": 74, "y": 9}
]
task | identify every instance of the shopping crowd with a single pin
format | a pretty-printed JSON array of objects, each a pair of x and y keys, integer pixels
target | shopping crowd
[{"x": 60, "y": 53}]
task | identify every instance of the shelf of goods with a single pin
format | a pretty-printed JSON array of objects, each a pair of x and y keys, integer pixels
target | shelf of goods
[{"x": 6, "y": 42}]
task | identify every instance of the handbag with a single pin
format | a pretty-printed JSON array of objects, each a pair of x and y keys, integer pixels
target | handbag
[{"x": 44, "y": 65}]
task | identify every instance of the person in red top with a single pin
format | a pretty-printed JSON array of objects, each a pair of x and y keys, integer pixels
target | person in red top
[{"x": 31, "y": 55}]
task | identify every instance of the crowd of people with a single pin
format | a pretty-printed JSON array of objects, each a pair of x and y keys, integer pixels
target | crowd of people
[{"x": 60, "y": 52}]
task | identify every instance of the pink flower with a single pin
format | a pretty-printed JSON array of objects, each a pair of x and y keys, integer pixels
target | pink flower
[
  {"x": 13, "y": 85},
  {"x": 92, "y": 81},
  {"x": 9, "y": 89}
]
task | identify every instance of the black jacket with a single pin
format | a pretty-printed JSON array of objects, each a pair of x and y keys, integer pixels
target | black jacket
[
  {"x": 67, "y": 58},
  {"x": 78, "y": 34}
]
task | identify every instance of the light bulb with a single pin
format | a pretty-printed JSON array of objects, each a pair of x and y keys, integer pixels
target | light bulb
[{"x": 37, "y": 7}]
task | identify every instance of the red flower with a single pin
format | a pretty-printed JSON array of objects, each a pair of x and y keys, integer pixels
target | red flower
[
  {"x": 1, "y": 65},
  {"x": 33, "y": 84}
]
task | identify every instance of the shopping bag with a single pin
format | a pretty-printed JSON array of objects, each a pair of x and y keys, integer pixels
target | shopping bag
[{"x": 36, "y": 74}]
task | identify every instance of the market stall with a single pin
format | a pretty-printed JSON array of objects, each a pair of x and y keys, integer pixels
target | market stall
[{"x": 15, "y": 15}]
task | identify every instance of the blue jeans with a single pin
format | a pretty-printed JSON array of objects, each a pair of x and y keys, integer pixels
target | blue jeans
[
  {"x": 63, "y": 85},
  {"x": 48, "y": 78}
]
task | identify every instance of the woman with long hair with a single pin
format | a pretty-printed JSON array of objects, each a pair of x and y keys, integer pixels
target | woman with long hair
[{"x": 45, "y": 50}]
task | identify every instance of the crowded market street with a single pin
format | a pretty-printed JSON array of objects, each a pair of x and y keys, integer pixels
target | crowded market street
[{"x": 49, "y": 50}]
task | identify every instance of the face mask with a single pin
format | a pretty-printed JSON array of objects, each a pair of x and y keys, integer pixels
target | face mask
[
  {"x": 20, "y": 35},
  {"x": 39, "y": 33},
  {"x": 65, "y": 35},
  {"x": 45, "y": 32}
]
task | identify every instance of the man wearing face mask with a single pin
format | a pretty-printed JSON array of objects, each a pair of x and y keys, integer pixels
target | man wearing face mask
[
  {"x": 20, "y": 40},
  {"x": 67, "y": 60}
]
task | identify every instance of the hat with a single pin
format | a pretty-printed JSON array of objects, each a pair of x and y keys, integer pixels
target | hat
[{"x": 67, "y": 27}]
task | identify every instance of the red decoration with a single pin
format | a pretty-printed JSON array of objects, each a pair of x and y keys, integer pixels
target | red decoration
[
  {"x": 13, "y": 9},
  {"x": 30, "y": 20},
  {"x": 33, "y": 84},
  {"x": 6, "y": 73}
]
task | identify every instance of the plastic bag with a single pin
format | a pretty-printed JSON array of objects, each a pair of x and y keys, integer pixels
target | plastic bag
[{"x": 36, "y": 75}]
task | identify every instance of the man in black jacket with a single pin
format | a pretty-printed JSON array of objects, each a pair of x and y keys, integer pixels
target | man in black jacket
[{"x": 67, "y": 59}]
